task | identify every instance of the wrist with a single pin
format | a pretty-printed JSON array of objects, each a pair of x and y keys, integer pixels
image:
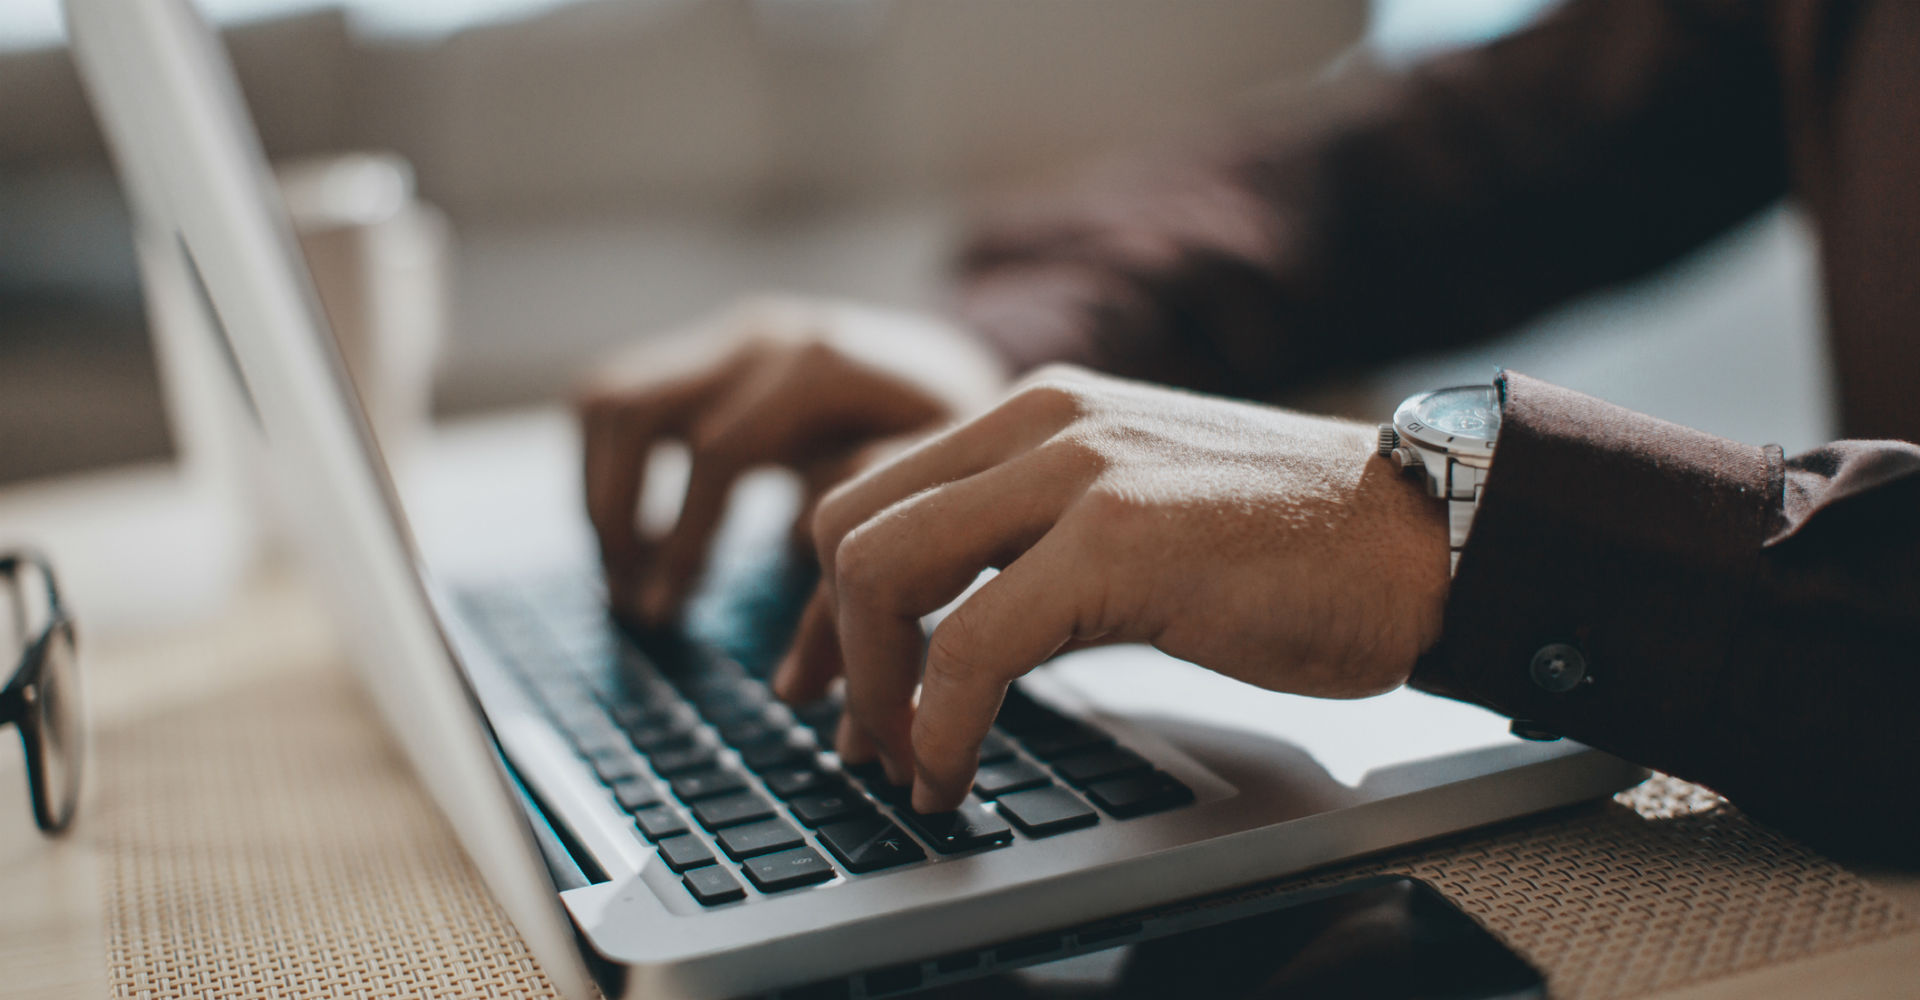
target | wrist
[
  {"x": 1414, "y": 565},
  {"x": 1428, "y": 561}
]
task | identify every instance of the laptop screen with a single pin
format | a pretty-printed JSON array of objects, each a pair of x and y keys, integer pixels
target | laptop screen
[{"x": 215, "y": 234}]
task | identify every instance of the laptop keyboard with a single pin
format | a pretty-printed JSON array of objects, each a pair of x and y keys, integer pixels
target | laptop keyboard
[{"x": 739, "y": 794}]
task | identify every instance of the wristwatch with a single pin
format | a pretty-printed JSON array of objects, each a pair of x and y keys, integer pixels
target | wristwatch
[{"x": 1447, "y": 436}]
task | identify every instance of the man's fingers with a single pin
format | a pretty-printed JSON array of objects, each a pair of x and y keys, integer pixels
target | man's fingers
[
  {"x": 1014, "y": 427},
  {"x": 916, "y": 556},
  {"x": 1012, "y": 624},
  {"x": 619, "y": 426},
  {"x": 820, "y": 475},
  {"x": 749, "y": 423},
  {"x": 614, "y": 467},
  {"x": 813, "y": 661}
]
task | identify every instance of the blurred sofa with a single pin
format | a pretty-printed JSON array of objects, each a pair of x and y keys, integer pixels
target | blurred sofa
[{"x": 614, "y": 167}]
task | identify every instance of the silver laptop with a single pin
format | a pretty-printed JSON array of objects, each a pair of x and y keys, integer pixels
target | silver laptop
[{"x": 654, "y": 823}]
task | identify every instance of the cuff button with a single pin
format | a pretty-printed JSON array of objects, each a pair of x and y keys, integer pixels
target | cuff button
[{"x": 1558, "y": 667}]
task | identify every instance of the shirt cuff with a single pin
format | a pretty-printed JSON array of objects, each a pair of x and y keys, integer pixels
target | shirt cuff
[{"x": 1604, "y": 575}]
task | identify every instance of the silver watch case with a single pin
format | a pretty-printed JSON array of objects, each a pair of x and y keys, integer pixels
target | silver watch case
[
  {"x": 1454, "y": 467},
  {"x": 1439, "y": 453}
]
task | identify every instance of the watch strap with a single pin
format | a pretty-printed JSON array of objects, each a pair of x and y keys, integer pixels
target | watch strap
[{"x": 1462, "y": 493}]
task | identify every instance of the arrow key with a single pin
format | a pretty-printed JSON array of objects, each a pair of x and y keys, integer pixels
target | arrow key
[{"x": 869, "y": 843}]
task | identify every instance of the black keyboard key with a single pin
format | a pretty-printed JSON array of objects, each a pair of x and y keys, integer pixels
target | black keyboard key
[
  {"x": 787, "y": 869},
  {"x": 822, "y": 716},
  {"x": 735, "y": 702},
  {"x": 636, "y": 794},
  {"x": 684, "y": 852},
  {"x": 752, "y": 730},
  {"x": 788, "y": 782},
  {"x": 660, "y": 823},
  {"x": 869, "y": 843},
  {"x": 1139, "y": 794},
  {"x": 765, "y": 836},
  {"x": 1064, "y": 739},
  {"x": 1087, "y": 768},
  {"x": 668, "y": 763},
  {"x": 827, "y": 806},
  {"x": 995, "y": 748},
  {"x": 731, "y": 810},
  {"x": 969, "y": 827},
  {"x": 637, "y": 714},
  {"x": 713, "y": 885},
  {"x": 774, "y": 753},
  {"x": 1011, "y": 775},
  {"x": 671, "y": 735},
  {"x": 697, "y": 785},
  {"x": 615, "y": 768},
  {"x": 1039, "y": 812}
]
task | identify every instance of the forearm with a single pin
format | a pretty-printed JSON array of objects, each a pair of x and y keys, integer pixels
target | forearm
[
  {"x": 1406, "y": 211},
  {"x": 1745, "y": 621}
]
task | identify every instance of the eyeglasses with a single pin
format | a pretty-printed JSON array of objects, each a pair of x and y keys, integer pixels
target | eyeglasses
[{"x": 43, "y": 695}]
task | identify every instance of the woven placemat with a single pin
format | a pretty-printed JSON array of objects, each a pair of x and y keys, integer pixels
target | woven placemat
[{"x": 268, "y": 841}]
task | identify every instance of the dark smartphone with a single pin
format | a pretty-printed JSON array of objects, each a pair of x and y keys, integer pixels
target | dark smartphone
[
  {"x": 1394, "y": 938},
  {"x": 1381, "y": 938}
]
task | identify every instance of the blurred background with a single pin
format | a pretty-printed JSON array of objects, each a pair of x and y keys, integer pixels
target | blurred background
[{"x": 493, "y": 192}]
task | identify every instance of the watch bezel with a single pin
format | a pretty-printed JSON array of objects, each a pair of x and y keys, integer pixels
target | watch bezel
[{"x": 1471, "y": 450}]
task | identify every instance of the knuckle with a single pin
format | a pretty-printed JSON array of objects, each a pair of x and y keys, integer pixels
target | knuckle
[
  {"x": 1051, "y": 396},
  {"x": 1078, "y": 450},
  {"x": 831, "y": 522},
  {"x": 769, "y": 320},
  {"x": 815, "y": 352},
  {"x": 950, "y": 653},
  {"x": 859, "y": 562},
  {"x": 1114, "y": 512},
  {"x": 1057, "y": 372}
]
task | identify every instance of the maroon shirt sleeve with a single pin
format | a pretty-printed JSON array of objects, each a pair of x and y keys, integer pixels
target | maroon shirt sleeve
[
  {"x": 1740, "y": 619},
  {"x": 1404, "y": 211}
]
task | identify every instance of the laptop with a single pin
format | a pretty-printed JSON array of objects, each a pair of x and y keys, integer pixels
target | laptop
[{"x": 653, "y": 822}]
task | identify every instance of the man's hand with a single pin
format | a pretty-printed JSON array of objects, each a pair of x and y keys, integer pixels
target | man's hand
[
  {"x": 1273, "y": 547},
  {"x": 811, "y": 385}
]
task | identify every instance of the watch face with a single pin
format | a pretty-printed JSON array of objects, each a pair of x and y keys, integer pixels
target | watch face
[{"x": 1470, "y": 412}]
